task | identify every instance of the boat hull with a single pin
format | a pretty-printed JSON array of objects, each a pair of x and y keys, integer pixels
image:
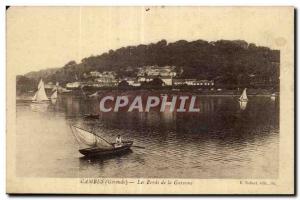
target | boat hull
[
  {"x": 91, "y": 116},
  {"x": 40, "y": 102},
  {"x": 100, "y": 152},
  {"x": 245, "y": 100}
]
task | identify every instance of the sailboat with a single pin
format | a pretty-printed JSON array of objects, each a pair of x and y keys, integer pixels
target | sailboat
[
  {"x": 243, "y": 97},
  {"x": 56, "y": 87},
  {"x": 243, "y": 100},
  {"x": 40, "y": 96},
  {"x": 273, "y": 96},
  {"x": 96, "y": 145},
  {"x": 54, "y": 97}
]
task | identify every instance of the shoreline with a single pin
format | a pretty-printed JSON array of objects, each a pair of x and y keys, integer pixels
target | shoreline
[{"x": 205, "y": 93}]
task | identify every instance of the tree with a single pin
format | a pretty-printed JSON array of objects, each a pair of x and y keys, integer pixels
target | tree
[
  {"x": 71, "y": 63},
  {"x": 200, "y": 59},
  {"x": 25, "y": 84}
]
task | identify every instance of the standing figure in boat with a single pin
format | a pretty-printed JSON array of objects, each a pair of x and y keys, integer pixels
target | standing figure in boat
[{"x": 118, "y": 141}]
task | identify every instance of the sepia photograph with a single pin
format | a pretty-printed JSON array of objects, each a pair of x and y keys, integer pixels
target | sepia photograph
[{"x": 150, "y": 100}]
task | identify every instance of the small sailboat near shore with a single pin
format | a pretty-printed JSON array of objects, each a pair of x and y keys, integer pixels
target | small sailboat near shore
[
  {"x": 54, "y": 94},
  {"x": 40, "y": 101},
  {"x": 54, "y": 97},
  {"x": 243, "y": 97},
  {"x": 243, "y": 100},
  {"x": 273, "y": 96},
  {"x": 40, "y": 95},
  {"x": 96, "y": 145}
]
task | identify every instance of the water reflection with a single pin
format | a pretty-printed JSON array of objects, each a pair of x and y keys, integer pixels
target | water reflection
[
  {"x": 53, "y": 101},
  {"x": 243, "y": 105},
  {"x": 39, "y": 107},
  {"x": 223, "y": 140},
  {"x": 86, "y": 161}
]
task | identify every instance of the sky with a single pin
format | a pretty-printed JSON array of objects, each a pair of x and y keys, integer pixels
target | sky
[{"x": 47, "y": 37}]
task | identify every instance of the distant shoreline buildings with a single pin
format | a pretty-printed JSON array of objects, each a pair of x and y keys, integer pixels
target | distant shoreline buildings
[{"x": 169, "y": 76}]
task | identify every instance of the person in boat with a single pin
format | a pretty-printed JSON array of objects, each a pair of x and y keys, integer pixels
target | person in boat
[{"x": 119, "y": 142}]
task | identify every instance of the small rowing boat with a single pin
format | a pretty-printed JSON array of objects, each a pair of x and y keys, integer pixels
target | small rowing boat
[{"x": 97, "y": 146}]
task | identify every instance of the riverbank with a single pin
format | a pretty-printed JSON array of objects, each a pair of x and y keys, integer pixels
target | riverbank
[
  {"x": 207, "y": 92},
  {"x": 158, "y": 92}
]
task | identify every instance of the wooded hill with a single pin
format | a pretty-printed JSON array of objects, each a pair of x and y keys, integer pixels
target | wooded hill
[{"x": 226, "y": 62}]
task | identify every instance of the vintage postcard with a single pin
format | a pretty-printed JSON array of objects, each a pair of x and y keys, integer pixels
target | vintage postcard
[{"x": 150, "y": 100}]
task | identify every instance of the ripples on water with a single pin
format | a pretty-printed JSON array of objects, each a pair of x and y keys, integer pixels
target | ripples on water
[{"x": 222, "y": 141}]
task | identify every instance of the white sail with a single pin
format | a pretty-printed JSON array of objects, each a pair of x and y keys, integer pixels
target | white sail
[
  {"x": 54, "y": 95},
  {"x": 90, "y": 139},
  {"x": 55, "y": 87},
  {"x": 244, "y": 97},
  {"x": 53, "y": 101},
  {"x": 34, "y": 97},
  {"x": 40, "y": 95},
  {"x": 273, "y": 96}
]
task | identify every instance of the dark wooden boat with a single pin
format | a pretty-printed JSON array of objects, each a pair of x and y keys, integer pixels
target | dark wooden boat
[
  {"x": 98, "y": 146},
  {"x": 100, "y": 152}
]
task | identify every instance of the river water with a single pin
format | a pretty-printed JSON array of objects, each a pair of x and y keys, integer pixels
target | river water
[{"x": 223, "y": 140}]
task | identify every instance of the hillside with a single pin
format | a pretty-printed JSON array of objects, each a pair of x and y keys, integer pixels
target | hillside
[
  {"x": 226, "y": 61},
  {"x": 42, "y": 73}
]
